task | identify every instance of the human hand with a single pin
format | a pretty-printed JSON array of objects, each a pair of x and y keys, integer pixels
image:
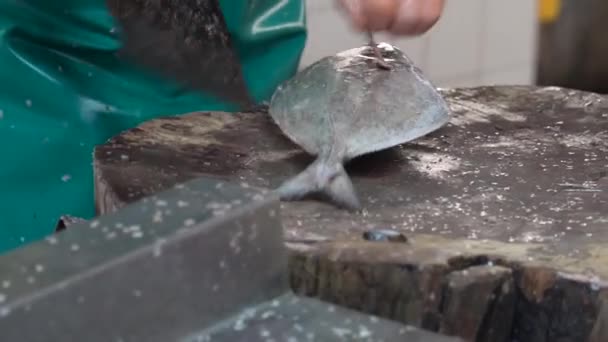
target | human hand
[{"x": 398, "y": 17}]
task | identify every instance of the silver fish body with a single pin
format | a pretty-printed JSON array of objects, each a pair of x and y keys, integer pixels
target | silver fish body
[{"x": 344, "y": 106}]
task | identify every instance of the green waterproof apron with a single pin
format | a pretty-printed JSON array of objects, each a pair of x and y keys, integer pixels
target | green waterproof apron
[{"x": 62, "y": 91}]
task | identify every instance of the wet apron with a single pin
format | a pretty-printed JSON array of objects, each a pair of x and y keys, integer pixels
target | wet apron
[{"x": 62, "y": 91}]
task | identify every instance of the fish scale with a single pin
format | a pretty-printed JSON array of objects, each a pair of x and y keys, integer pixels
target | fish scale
[{"x": 344, "y": 106}]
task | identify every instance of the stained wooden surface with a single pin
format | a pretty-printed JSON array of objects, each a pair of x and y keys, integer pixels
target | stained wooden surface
[
  {"x": 514, "y": 165},
  {"x": 518, "y": 180}
]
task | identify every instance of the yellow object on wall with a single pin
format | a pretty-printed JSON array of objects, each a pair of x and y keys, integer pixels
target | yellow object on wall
[{"x": 549, "y": 10}]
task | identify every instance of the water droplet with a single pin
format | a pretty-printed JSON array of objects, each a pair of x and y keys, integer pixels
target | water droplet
[
  {"x": 340, "y": 332},
  {"x": 158, "y": 248},
  {"x": 239, "y": 325},
  {"x": 158, "y": 216},
  {"x": 2, "y": 298},
  {"x": 66, "y": 178},
  {"x": 39, "y": 268},
  {"x": 384, "y": 235},
  {"x": 267, "y": 314},
  {"x": 75, "y": 247},
  {"x": 364, "y": 332},
  {"x": 134, "y": 228},
  {"x": 28, "y": 103},
  {"x": 5, "y": 311}
]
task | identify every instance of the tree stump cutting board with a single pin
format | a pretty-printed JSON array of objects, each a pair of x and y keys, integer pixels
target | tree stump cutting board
[{"x": 502, "y": 214}]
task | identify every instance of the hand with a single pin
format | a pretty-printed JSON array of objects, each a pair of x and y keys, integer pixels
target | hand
[{"x": 399, "y": 17}]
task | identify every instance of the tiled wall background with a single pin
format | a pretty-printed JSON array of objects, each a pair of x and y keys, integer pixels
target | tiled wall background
[{"x": 476, "y": 42}]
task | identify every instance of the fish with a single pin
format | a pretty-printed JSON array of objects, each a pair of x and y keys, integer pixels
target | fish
[{"x": 344, "y": 106}]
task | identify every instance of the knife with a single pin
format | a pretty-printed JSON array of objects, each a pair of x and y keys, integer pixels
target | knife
[
  {"x": 185, "y": 40},
  {"x": 380, "y": 62}
]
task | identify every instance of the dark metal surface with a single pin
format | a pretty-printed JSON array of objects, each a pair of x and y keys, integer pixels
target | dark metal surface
[
  {"x": 157, "y": 270},
  {"x": 292, "y": 319},
  {"x": 187, "y": 40},
  {"x": 571, "y": 49}
]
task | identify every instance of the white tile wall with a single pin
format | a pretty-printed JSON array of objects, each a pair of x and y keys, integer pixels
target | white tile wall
[
  {"x": 454, "y": 42},
  {"x": 510, "y": 33},
  {"x": 476, "y": 42}
]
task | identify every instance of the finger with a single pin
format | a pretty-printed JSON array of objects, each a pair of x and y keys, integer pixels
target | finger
[
  {"x": 415, "y": 17},
  {"x": 379, "y": 14},
  {"x": 407, "y": 17},
  {"x": 355, "y": 11},
  {"x": 430, "y": 14}
]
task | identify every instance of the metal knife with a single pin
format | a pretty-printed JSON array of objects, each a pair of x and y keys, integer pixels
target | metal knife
[
  {"x": 380, "y": 62},
  {"x": 185, "y": 40}
]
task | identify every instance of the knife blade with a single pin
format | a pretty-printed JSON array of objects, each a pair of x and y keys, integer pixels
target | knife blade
[
  {"x": 185, "y": 40},
  {"x": 380, "y": 62}
]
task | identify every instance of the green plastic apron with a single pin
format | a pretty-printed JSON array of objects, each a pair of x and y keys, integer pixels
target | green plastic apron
[{"x": 62, "y": 91}]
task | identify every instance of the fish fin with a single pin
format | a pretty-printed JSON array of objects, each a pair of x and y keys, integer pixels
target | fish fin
[
  {"x": 319, "y": 179},
  {"x": 299, "y": 186},
  {"x": 341, "y": 191}
]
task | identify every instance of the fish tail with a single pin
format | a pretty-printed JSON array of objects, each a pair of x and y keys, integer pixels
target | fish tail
[
  {"x": 331, "y": 181},
  {"x": 341, "y": 192}
]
